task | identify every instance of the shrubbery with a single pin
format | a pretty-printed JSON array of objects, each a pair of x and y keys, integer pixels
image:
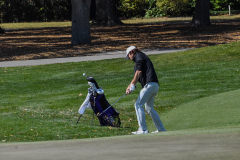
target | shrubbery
[
  {"x": 55, "y": 10},
  {"x": 133, "y": 8},
  {"x": 173, "y": 7},
  {"x": 158, "y": 8},
  {"x": 154, "y": 8}
]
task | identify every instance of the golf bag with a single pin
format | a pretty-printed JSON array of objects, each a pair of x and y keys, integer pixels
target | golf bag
[{"x": 107, "y": 115}]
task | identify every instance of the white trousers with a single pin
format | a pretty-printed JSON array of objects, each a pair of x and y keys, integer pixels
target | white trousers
[{"x": 147, "y": 97}]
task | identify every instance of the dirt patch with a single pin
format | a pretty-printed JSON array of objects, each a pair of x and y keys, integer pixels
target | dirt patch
[{"x": 56, "y": 42}]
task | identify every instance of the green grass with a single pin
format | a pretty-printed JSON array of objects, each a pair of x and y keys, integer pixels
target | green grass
[
  {"x": 178, "y": 19},
  {"x": 217, "y": 111},
  {"x": 41, "y": 102},
  {"x": 127, "y": 21},
  {"x": 26, "y": 25}
]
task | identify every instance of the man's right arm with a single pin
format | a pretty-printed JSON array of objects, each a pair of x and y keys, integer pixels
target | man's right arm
[{"x": 134, "y": 81}]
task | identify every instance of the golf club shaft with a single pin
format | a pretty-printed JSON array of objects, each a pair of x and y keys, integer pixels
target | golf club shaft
[{"x": 111, "y": 105}]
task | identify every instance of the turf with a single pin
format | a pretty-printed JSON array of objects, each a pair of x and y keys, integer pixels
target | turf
[
  {"x": 219, "y": 111},
  {"x": 127, "y": 21},
  {"x": 41, "y": 102}
]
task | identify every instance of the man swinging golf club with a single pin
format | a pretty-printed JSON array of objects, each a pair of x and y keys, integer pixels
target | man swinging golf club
[{"x": 146, "y": 75}]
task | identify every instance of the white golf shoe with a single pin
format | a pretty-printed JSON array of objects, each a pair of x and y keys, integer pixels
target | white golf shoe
[
  {"x": 140, "y": 132},
  {"x": 158, "y": 131}
]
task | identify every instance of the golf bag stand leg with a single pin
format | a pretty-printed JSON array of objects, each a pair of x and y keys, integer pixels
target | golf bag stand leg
[{"x": 79, "y": 118}]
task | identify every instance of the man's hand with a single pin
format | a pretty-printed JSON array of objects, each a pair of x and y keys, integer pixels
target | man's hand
[
  {"x": 128, "y": 91},
  {"x": 130, "y": 88}
]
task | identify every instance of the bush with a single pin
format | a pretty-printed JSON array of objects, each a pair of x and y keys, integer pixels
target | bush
[
  {"x": 158, "y": 8},
  {"x": 216, "y": 13},
  {"x": 172, "y": 7},
  {"x": 222, "y": 5},
  {"x": 133, "y": 8},
  {"x": 154, "y": 12}
]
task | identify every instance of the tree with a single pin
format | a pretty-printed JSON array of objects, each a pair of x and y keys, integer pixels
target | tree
[
  {"x": 201, "y": 18},
  {"x": 112, "y": 13},
  {"x": 106, "y": 12},
  {"x": 80, "y": 22},
  {"x": 1, "y": 30}
]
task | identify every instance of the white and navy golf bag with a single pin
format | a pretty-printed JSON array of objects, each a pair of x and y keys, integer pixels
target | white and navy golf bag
[{"x": 107, "y": 115}]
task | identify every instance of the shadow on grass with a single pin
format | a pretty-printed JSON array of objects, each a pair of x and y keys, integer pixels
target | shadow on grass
[{"x": 56, "y": 42}]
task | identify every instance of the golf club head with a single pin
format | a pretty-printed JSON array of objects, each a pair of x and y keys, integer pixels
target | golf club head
[{"x": 100, "y": 91}]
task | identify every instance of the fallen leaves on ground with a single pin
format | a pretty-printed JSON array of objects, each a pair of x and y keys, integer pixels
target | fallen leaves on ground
[{"x": 56, "y": 42}]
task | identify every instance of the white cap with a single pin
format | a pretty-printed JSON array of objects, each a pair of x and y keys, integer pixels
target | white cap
[{"x": 129, "y": 49}]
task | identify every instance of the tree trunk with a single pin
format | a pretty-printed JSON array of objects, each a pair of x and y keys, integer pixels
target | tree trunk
[
  {"x": 93, "y": 10},
  {"x": 1, "y": 30},
  {"x": 112, "y": 13},
  {"x": 101, "y": 12},
  {"x": 201, "y": 18},
  {"x": 80, "y": 22},
  {"x": 106, "y": 12}
]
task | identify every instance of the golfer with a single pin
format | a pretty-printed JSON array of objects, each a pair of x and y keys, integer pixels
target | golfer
[{"x": 146, "y": 75}]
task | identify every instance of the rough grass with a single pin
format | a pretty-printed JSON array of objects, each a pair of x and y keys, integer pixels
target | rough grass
[{"x": 41, "y": 102}]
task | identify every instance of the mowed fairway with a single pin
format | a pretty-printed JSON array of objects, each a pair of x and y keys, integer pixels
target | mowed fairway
[{"x": 221, "y": 146}]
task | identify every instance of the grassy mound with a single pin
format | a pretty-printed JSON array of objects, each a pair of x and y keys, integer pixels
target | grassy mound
[{"x": 216, "y": 111}]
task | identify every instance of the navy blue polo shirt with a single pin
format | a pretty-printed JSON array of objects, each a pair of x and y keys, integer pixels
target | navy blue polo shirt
[{"x": 144, "y": 64}]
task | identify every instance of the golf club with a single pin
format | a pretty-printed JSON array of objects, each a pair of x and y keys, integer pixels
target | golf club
[{"x": 111, "y": 105}]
